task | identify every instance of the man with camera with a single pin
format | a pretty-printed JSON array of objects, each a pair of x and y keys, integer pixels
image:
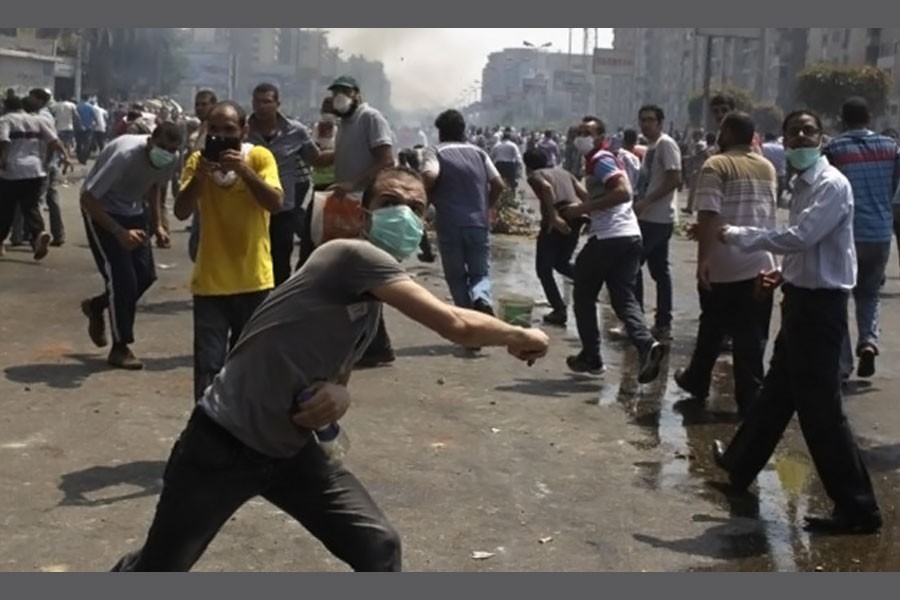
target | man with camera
[{"x": 234, "y": 187}]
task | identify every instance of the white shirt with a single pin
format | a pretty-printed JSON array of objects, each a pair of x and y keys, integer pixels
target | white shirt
[
  {"x": 818, "y": 246},
  {"x": 65, "y": 115},
  {"x": 27, "y": 136},
  {"x": 632, "y": 166},
  {"x": 101, "y": 117},
  {"x": 506, "y": 151}
]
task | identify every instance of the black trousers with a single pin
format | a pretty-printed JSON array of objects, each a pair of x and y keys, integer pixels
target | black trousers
[
  {"x": 127, "y": 273},
  {"x": 554, "y": 252},
  {"x": 210, "y": 475},
  {"x": 26, "y": 194},
  {"x": 218, "y": 323},
  {"x": 615, "y": 263},
  {"x": 282, "y": 228},
  {"x": 804, "y": 377},
  {"x": 730, "y": 309}
]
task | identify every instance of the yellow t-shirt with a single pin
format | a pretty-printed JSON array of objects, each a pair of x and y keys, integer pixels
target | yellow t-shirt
[{"x": 234, "y": 255}]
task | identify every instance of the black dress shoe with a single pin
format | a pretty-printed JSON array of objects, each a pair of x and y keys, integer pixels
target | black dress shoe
[{"x": 837, "y": 525}]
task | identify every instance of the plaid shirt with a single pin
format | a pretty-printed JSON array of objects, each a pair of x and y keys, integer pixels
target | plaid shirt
[{"x": 872, "y": 164}]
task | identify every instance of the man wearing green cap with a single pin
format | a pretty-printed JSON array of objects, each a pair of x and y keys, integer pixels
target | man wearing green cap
[
  {"x": 364, "y": 146},
  {"x": 364, "y": 139}
]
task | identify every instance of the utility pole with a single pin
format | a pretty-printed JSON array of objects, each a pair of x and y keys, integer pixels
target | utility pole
[
  {"x": 723, "y": 34},
  {"x": 707, "y": 80},
  {"x": 79, "y": 56}
]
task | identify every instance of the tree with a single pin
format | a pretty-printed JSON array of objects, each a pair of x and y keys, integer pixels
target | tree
[
  {"x": 742, "y": 99},
  {"x": 824, "y": 87},
  {"x": 768, "y": 118}
]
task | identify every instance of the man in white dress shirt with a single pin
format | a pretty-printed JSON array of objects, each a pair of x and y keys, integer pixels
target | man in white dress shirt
[{"x": 818, "y": 274}]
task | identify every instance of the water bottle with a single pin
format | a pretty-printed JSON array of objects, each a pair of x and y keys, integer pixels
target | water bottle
[{"x": 332, "y": 438}]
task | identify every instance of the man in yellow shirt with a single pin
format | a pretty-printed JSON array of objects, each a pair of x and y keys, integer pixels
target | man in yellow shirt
[{"x": 234, "y": 192}]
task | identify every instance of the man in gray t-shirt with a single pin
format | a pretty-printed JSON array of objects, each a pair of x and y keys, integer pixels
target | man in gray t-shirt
[
  {"x": 249, "y": 437},
  {"x": 364, "y": 146},
  {"x": 129, "y": 169}
]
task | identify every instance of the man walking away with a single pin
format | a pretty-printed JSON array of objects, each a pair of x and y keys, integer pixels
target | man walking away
[
  {"x": 736, "y": 187},
  {"x": 872, "y": 164},
  {"x": 463, "y": 185},
  {"x": 506, "y": 157}
]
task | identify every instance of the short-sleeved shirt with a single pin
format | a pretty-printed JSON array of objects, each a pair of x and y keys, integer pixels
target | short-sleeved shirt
[
  {"x": 603, "y": 167},
  {"x": 661, "y": 156},
  {"x": 234, "y": 254},
  {"x": 27, "y": 135},
  {"x": 291, "y": 143},
  {"x": 65, "y": 115},
  {"x": 87, "y": 116},
  {"x": 122, "y": 175},
  {"x": 741, "y": 186},
  {"x": 359, "y": 134},
  {"x": 314, "y": 327},
  {"x": 460, "y": 194},
  {"x": 563, "y": 184}
]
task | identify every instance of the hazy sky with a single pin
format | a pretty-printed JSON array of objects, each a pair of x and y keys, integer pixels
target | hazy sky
[{"x": 433, "y": 68}]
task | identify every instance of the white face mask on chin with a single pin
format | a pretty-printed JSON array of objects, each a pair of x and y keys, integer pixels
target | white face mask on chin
[{"x": 229, "y": 178}]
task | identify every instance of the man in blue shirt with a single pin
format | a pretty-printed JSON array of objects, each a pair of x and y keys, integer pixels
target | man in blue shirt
[
  {"x": 84, "y": 134},
  {"x": 872, "y": 164}
]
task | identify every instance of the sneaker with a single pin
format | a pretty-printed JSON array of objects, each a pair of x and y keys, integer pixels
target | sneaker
[
  {"x": 866, "y": 367},
  {"x": 122, "y": 357},
  {"x": 681, "y": 379},
  {"x": 42, "y": 245},
  {"x": 663, "y": 334},
  {"x": 96, "y": 323},
  {"x": 557, "y": 318},
  {"x": 57, "y": 243},
  {"x": 650, "y": 363},
  {"x": 581, "y": 364},
  {"x": 483, "y": 306}
]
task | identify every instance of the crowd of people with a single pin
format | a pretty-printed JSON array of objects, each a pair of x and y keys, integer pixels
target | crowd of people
[{"x": 246, "y": 182}]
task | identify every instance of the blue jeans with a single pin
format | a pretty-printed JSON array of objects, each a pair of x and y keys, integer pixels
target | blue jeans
[
  {"x": 871, "y": 262},
  {"x": 465, "y": 255},
  {"x": 656, "y": 238}
]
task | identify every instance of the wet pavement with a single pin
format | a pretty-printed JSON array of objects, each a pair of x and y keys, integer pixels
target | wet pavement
[{"x": 538, "y": 469}]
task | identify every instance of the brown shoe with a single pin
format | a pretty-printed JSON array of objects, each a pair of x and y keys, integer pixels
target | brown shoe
[
  {"x": 122, "y": 357},
  {"x": 42, "y": 245},
  {"x": 96, "y": 324}
]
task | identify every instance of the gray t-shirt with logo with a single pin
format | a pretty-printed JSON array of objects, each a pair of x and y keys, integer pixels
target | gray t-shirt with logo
[
  {"x": 313, "y": 327},
  {"x": 359, "y": 134},
  {"x": 123, "y": 174}
]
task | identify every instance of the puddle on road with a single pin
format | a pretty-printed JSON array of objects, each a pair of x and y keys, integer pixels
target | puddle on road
[{"x": 762, "y": 533}]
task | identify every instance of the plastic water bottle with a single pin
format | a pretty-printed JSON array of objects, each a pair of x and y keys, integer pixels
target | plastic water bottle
[{"x": 332, "y": 438}]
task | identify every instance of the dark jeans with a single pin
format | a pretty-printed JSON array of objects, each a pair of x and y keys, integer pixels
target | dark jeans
[
  {"x": 803, "y": 377},
  {"x": 509, "y": 171},
  {"x": 218, "y": 323},
  {"x": 210, "y": 475},
  {"x": 128, "y": 274},
  {"x": 730, "y": 309},
  {"x": 614, "y": 262},
  {"x": 83, "y": 142},
  {"x": 26, "y": 194},
  {"x": 656, "y": 238},
  {"x": 554, "y": 253},
  {"x": 282, "y": 228},
  {"x": 425, "y": 244}
]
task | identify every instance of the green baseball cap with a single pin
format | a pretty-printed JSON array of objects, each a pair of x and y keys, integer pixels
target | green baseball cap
[{"x": 344, "y": 81}]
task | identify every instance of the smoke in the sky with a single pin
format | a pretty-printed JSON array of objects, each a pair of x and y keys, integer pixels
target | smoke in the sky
[{"x": 418, "y": 64}]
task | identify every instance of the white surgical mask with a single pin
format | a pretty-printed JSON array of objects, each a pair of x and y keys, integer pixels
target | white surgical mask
[
  {"x": 342, "y": 103},
  {"x": 584, "y": 143}
]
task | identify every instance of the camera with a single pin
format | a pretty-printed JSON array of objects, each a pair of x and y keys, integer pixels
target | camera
[{"x": 216, "y": 145}]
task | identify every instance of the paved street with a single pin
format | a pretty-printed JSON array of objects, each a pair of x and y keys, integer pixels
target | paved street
[{"x": 545, "y": 471}]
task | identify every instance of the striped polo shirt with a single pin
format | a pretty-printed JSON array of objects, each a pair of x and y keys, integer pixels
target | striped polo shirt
[
  {"x": 872, "y": 164},
  {"x": 741, "y": 186}
]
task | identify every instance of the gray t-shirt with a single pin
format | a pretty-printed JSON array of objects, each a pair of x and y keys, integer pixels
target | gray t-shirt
[
  {"x": 123, "y": 175},
  {"x": 358, "y": 134},
  {"x": 313, "y": 327},
  {"x": 664, "y": 155}
]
